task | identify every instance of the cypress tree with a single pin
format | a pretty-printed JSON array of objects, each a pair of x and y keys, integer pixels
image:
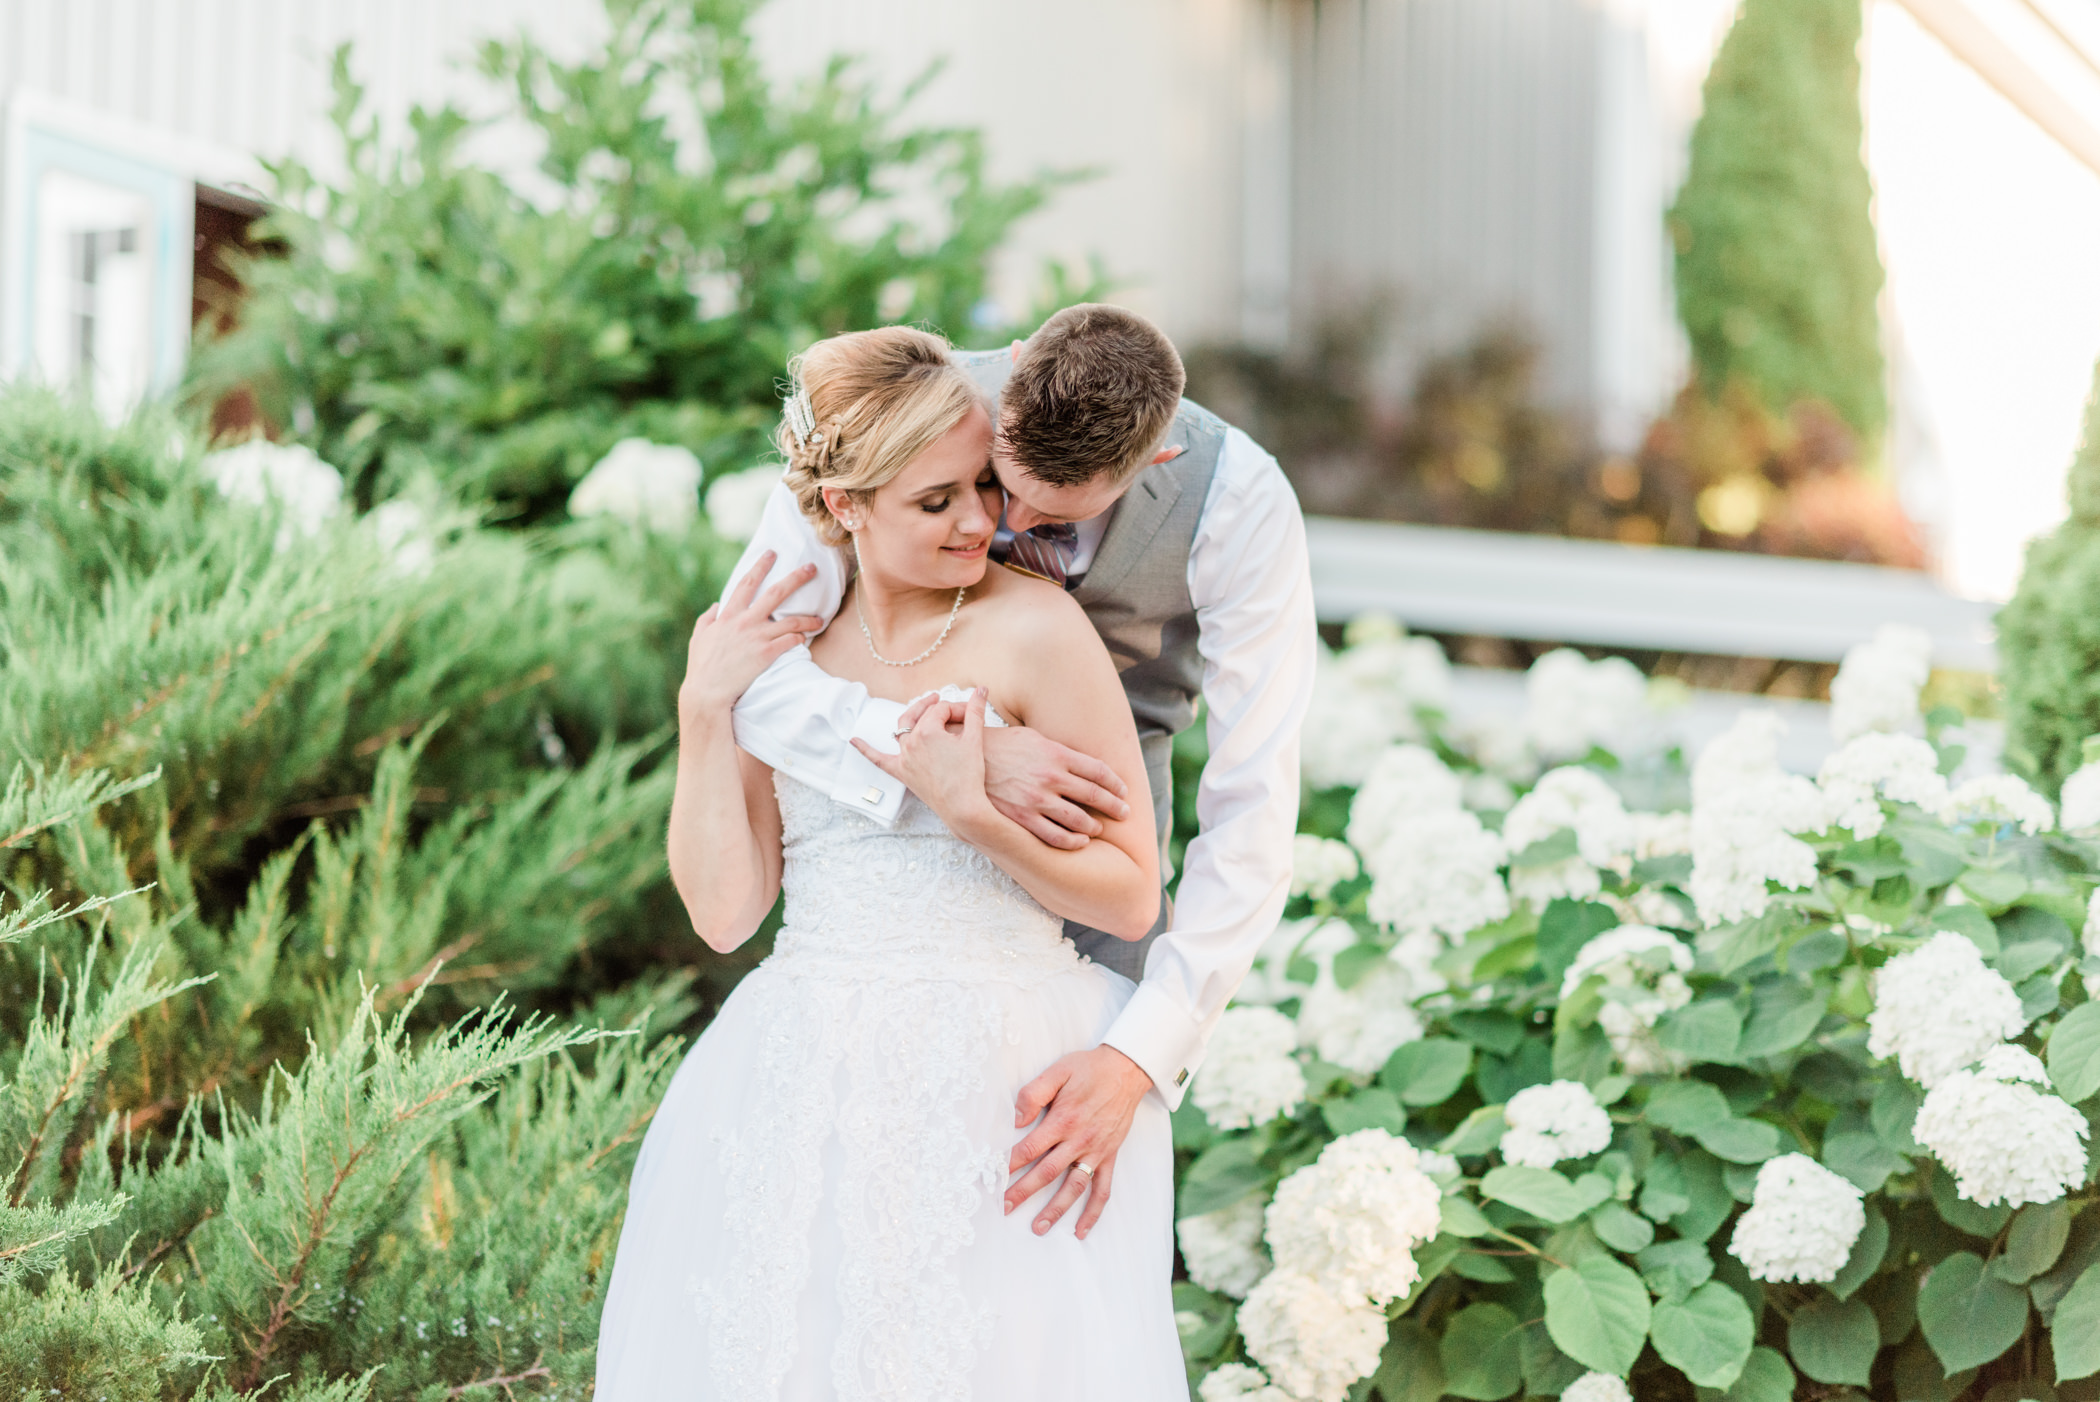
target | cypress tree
[
  {"x": 2049, "y": 635},
  {"x": 1777, "y": 269}
]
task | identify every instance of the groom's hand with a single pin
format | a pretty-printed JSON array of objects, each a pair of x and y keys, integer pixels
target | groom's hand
[
  {"x": 1092, "y": 1096},
  {"x": 1047, "y": 788}
]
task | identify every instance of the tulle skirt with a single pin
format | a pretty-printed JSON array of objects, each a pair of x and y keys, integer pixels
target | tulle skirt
[{"x": 816, "y": 1211}]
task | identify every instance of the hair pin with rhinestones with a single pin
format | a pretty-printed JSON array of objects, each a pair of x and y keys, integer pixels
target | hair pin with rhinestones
[{"x": 801, "y": 419}]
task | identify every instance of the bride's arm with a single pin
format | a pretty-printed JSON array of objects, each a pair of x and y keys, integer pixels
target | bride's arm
[
  {"x": 725, "y": 833},
  {"x": 724, "y": 843},
  {"x": 1064, "y": 686}
]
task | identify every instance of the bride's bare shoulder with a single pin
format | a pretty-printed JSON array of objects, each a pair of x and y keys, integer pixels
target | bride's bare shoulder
[
  {"x": 1033, "y": 628},
  {"x": 1017, "y": 599}
]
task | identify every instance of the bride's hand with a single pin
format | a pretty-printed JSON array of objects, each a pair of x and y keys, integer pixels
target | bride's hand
[
  {"x": 940, "y": 757},
  {"x": 738, "y": 638}
]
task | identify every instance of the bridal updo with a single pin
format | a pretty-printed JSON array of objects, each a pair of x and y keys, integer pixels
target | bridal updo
[{"x": 878, "y": 399}]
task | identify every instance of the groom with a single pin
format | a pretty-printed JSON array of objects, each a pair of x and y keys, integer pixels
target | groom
[{"x": 1183, "y": 542}]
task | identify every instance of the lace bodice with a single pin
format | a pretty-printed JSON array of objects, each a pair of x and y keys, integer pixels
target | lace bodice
[{"x": 911, "y": 901}]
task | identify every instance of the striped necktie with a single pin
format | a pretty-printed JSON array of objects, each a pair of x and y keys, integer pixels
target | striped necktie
[{"x": 1046, "y": 551}]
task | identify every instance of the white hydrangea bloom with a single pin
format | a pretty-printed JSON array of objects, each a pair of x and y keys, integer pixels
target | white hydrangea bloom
[
  {"x": 1319, "y": 864},
  {"x": 651, "y": 484},
  {"x": 1437, "y": 1164},
  {"x": 1352, "y": 1218},
  {"x": 403, "y": 532},
  {"x": 1572, "y": 704},
  {"x": 1551, "y": 1122},
  {"x": 1312, "y": 1344},
  {"x": 1651, "y": 905},
  {"x": 1801, "y": 1224},
  {"x": 1358, "y": 1028},
  {"x": 1416, "y": 953},
  {"x": 1745, "y": 810},
  {"x": 1404, "y": 781},
  {"x": 1595, "y": 1387},
  {"x": 2081, "y": 799},
  {"x": 1661, "y": 834},
  {"x": 1877, "y": 684},
  {"x": 1574, "y": 799},
  {"x": 1366, "y": 698},
  {"x": 1437, "y": 871},
  {"x": 1236, "y": 1382},
  {"x": 2003, "y": 1140},
  {"x": 2004, "y": 798},
  {"x": 1488, "y": 793},
  {"x": 1250, "y": 1076},
  {"x": 1870, "y": 767},
  {"x": 1496, "y": 742},
  {"x": 292, "y": 474},
  {"x": 1223, "y": 1249},
  {"x": 1643, "y": 970},
  {"x": 1938, "y": 1008},
  {"x": 736, "y": 501}
]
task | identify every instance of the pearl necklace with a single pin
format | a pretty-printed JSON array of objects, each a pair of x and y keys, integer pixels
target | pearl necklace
[{"x": 922, "y": 656}]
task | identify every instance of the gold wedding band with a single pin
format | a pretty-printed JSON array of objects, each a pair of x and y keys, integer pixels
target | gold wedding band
[{"x": 1086, "y": 1168}]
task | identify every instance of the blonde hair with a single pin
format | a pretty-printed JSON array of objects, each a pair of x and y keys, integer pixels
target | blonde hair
[{"x": 879, "y": 399}]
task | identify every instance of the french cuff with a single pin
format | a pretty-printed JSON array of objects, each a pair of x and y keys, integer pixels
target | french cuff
[
  {"x": 860, "y": 785},
  {"x": 1158, "y": 1034}
]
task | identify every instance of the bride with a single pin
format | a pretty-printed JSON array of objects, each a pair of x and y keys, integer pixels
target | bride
[{"x": 817, "y": 1209}]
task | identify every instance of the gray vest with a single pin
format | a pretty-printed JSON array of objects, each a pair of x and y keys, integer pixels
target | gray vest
[{"x": 1136, "y": 593}]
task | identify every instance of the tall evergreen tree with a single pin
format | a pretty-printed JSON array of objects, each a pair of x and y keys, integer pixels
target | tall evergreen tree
[
  {"x": 1777, "y": 269},
  {"x": 2049, "y": 635}
]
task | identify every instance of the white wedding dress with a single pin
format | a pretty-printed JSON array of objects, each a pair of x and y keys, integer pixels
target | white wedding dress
[{"x": 816, "y": 1211}]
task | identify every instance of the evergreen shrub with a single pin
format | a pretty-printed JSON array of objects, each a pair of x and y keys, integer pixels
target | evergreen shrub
[{"x": 2049, "y": 635}]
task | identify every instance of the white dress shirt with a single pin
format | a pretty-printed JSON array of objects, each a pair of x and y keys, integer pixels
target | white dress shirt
[{"x": 1249, "y": 579}]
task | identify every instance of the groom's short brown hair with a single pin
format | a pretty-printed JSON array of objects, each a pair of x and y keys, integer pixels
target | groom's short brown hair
[{"x": 1093, "y": 391}]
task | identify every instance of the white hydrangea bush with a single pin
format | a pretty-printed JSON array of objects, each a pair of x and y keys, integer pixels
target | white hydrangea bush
[{"x": 1731, "y": 1054}]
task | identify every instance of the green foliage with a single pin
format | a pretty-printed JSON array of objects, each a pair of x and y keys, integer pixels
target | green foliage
[
  {"x": 287, "y": 818},
  {"x": 1622, "y": 1258},
  {"x": 1777, "y": 269},
  {"x": 2049, "y": 635},
  {"x": 691, "y": 226}
]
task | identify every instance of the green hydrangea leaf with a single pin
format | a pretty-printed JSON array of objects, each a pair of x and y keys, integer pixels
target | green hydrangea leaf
[
  {"x": 1707, "y": 1337},
  {"x": 1428, "y": 1071},
  {"x": 1564, "y": 928},
  {"x": 2037, "y": 1238},
  {"x": 1543, "y": 1193},
  {"x": 2074, "y": 1053},
  {"x": 1969, "y": 1315},
  {"x": 1621, "y": 1228},
  {"x": 1867, "y": 1251},
  {"x": 2074, "y": 1332},
  {"x": 1597, "y": 1313},
  {"x": 1686, "y": 1106},
  {"x": 1707, "y": 1030},
  {"x": 1411, "y": 1368},
  {"x": 1461, "y": 1218},
  {"x": 1766, "y": 1377},
  {"x": 1739, "y": 1141},
  {"x": 1477, "y": 1133},
  {"x": 1783, "y": 1012},
  {"x": 1834, "y": 1341},
  {"x": 1221, "y": 1175},
  {"x": 1862, "y": 1159},
  {"x": 1373, "y": 1107},
  {"x": 1674, "y": 1269},
  {"x": 1481, "y": 1353}
]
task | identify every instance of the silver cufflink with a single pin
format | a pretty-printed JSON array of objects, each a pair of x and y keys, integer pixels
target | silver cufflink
[
  {"x": 873, "y": 795},
  {"x": 1183, "y": 1078}
]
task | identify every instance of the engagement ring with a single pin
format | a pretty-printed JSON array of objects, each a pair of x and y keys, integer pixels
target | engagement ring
[{"x": 901, "y": 730}]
